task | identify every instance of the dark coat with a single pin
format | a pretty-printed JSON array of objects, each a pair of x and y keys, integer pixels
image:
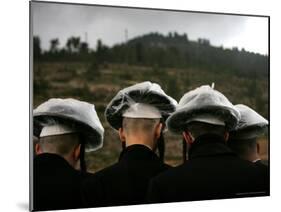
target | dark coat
[
  {"x": 213, "y": 171},
  {"x": 261, "y": 164},
  {"x": 263, "y": 168},
  {"x": 125, "y": 182},
  {"x": 56, "y": 183}
]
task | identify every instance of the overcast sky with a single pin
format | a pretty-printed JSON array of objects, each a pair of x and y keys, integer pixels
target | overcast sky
[{"x": 61, "y": 21}]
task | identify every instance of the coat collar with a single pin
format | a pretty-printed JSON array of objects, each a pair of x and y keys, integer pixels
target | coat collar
[
  {"x": 48, "y": 161},
  {"x": 137, "y": 152},
  {"x": 209, "y": 145}
]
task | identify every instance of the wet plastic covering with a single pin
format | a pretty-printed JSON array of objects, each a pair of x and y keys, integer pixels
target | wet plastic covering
[
  {"x": 250, "y": 125},
  {"x": 140, "y": 110},
  {"x": 146, "y": 93},
  {"x": 200, "y": 102},
  {"x": 82, "y": 114}
]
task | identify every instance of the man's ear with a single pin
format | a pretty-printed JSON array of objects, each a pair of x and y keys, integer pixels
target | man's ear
[
  {"x": 77, "y": 151},
  {"x": 188, "y": 137},
  {"x": 158, "y": 130},
  {"x": 122, "y": 134},
  {"x": 38, "y": 149},
  {"x": 226, "y": 136},
  {"x": 258, "y": 148}
]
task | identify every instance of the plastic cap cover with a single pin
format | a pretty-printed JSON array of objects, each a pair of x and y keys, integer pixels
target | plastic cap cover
[
  {"x": 58, "y": 129},
  {"x": 79, "y": 112},
  {"x": 200, "y": 102},
  {"x": 140, "y": 110},
  {"x": 146, "y": 93},
  {"x": 251, "y": 124}
]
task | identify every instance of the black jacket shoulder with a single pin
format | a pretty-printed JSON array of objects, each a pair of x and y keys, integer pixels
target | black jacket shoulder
[
  {"x": 56, "y": 184},
  {"x": 213, "y": 171},
  {"x": 125, "y": 182}
]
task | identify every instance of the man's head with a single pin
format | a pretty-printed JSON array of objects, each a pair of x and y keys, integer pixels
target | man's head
[
  {"x": 248, "y": 149},
  {"x": 141, "y": 131},
  {"x": 136, "y": 112},
  {"x": 81, "y": 114},
  {"x": 66, "y": 145},
  {"x": 203, "y": 111},
  {"x": 62, "y": 138},
  {"x": 243, "y": 139},
  {"x": 67, "y": 127},
  {"x": 196, "y": 129}
]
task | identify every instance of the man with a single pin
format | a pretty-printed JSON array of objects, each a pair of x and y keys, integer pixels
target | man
[
  {"x": 65, "y": 128},
  {"x": 243, "y": 140},
  {"x": 204, "y": 116},
  {"x": 138, "y": 113}
]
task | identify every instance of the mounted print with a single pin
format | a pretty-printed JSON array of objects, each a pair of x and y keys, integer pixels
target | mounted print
[{"x": 142, "y": 106}]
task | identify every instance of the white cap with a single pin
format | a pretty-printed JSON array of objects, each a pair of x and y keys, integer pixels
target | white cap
[
  {"x": 249, "y": 118},
  {"x": 82, "y": 114},
  {"x": 141, "y": 110},
  {"x": 251, "y": 125},
  {"x": 209, "y": 119},
  {"x": 203, "y": 104},
  {"x": 57, "y": 129}
]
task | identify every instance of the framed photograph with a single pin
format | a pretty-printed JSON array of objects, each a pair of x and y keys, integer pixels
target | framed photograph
[{"x": 138, "y": 105}]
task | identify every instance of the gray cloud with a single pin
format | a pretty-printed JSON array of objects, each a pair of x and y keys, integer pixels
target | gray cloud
[{"x": 61, "y": 21}]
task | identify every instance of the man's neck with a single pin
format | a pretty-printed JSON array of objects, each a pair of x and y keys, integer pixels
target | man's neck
[
  {"x": 252, "y": 158},
  {"x": 140, "y": 140}
]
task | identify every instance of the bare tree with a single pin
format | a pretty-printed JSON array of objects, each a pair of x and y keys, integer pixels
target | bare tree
[{"x": 54, "y": 45}]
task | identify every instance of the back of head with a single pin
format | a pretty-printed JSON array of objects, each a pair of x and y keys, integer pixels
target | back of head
[
  {"x": 243, "y": 147},
  {"x": 136, "y": 112},
  {"x": 199, "y": 129},
  {"x": 243, "y": 139},
  {"x": 66, "y": 126},
  {"x": 140, "y": 126},
  {"x": 202, "y": 111},
  {"x": 58, "y": 136},
  {"x": 62, "y": 137},
  {"x": 61, "y": 145}
]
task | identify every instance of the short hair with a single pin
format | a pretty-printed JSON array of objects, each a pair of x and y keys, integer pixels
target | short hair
[
  {"x": 242, "y": 147},
  {"x": 59, "y": 144},
  {"x": 144, "y": 125},
  {"x": 199, "y": 128}
]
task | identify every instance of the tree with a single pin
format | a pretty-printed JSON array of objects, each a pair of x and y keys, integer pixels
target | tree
[
  {"x": 73, "y": 44},
  {"x": 102, "y": 51},
  {"x": 185, "y": 37},
  {"x": 139, "y": 52},
  {"x": 84, "y": 48},
  {"x": 76, "y": 43},
  {"x": 99, "y": 45},
  {"x": 54, "y": 45},
  {"x": 204, "y": 42},
  {"x": 36, "y": 47},
  {"x": 170, "y": 35}
]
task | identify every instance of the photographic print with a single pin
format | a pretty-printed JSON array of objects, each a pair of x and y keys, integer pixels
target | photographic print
[{"x": 141, "y": 106}]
